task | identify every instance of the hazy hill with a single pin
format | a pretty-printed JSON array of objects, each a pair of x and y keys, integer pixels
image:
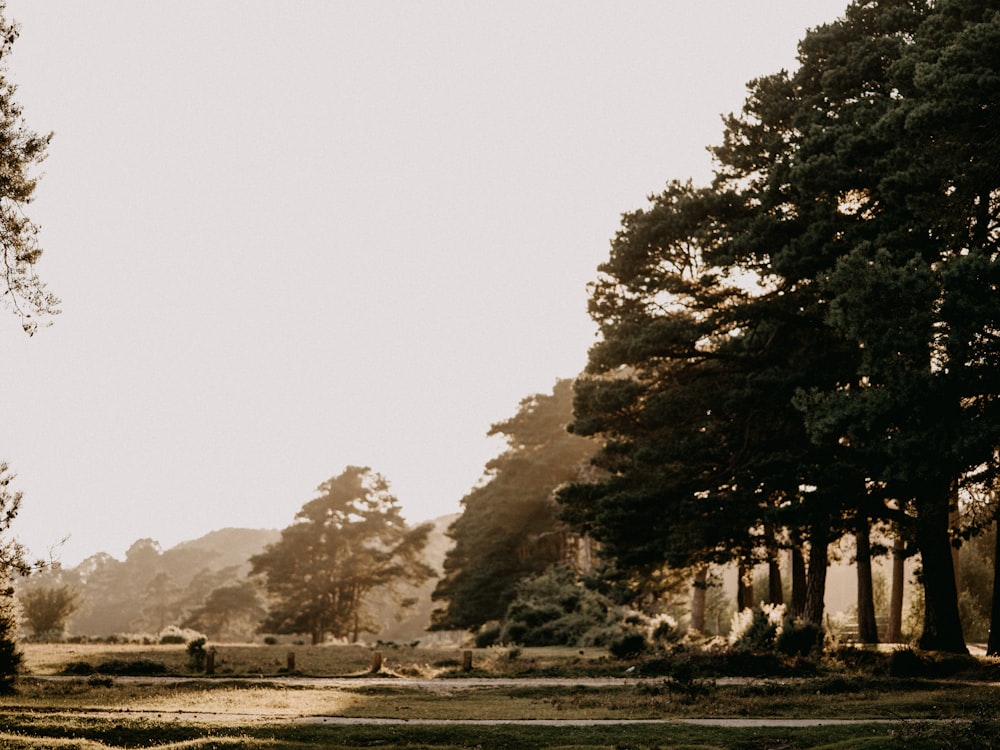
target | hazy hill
[{"x": 153, "y": 588}]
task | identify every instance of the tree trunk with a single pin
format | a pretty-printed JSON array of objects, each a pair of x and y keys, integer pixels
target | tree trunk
[
  {"x": 942, "y": 629},
  {"x": 867, "y": 626},
  {"x": 816, "y": 580},
  {"x": 774, "y": 593},
  {"x": 894, "y": 632},
  {"x": 698, "y": 592},
  {"x": 798, "y": 565},
  {"x": 744, "y": 587},
  {"x": 993, "y": 645}
]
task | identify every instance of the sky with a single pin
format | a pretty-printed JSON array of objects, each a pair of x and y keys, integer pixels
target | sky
[{"x": 290, "y": 237}]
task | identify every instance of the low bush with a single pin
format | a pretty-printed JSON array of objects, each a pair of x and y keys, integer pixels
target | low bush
[
  {"x": 134, "y": 667},
  {"x": 628, "y": 645},
  {"x": 799, "y": 638},
  {"x": 78, "y": 668}
]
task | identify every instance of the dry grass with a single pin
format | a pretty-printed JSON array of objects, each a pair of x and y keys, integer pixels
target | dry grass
[{"x": 249, "y": 660}]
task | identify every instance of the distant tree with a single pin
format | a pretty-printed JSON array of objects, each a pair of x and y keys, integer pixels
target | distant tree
[
  {"x": 346, "y": 542},
  {"x": 46, "y": 609},
  {"x": 20, "y": 151},
  {"x": 231, "y": 612},
  {"x": 159, "y": 603},
  {"x": 509, "y": 528}
]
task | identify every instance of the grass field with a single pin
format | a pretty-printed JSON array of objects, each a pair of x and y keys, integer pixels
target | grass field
[{"x": 245, "y": 708}]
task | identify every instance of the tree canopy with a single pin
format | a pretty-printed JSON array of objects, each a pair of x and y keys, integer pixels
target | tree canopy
[
  {"x": 810, "y": 342},
  {"x": 509, "y": 528},
  {"x": 348, "y": 540},
  {"x": 21, "y": 150}
]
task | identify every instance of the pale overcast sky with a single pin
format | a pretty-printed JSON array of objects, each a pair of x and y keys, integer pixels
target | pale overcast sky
[{"x": 294, "y": 236}]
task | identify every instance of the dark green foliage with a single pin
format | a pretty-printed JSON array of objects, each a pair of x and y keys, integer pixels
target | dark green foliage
[
  {"x": 759, "y": 636},
  {"x": 799, "y": 639},
  {"x": 553, "y": 609},
  {"x": 488, "y": 634},
  {"x": 197, "y": 655},
  {"x": 905, "y": 662},
  {"x": 860, "y": 378},
  {"x": 80, "y": 668},
  {"x": 10, "y": 654},
  {"x": 627, "y": 645},
  {"x": 131, "y": 667},
  {"x": 508, "y": 529}
]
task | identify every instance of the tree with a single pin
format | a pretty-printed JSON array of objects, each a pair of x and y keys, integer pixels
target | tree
[
  {"x": 47, "y": 608},
  {"x": 231, "y": 612},
  {"x": 13, "y": 561},
  {"x": 509, "y": 528},
  {"x": 344, "y": 543},
  {"x": 706, "y": 458},
  {"x": 20, "y": 151},
  {"x": 857, "y": 201}
]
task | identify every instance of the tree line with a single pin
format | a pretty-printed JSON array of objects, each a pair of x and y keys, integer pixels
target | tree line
[
  {"x": 806, "y": 348},
  {"x": 808, "y": 345}
]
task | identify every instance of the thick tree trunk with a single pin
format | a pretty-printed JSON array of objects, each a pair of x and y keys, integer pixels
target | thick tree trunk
[
  {"x": 816, "y": 580},
  {"x": 894, "y": 632},
  {"x": 774, "y": 593},
  {"x": 942, "y": 627},
  {"x": 867, "y": 626},
  {"x": 993, "y": 644},
  {"x": 798, "y": 565},
  {"x": 698, "y": 592}
]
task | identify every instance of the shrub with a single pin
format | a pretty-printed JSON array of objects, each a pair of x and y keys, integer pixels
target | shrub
[
  {"x": 197, "y": 654},
  {"x": 905, "y": 662},
  {"x": 799, "y": 638},
  {"x": 754, "y": 632},
  {"x": 82, "y": 668},
  {"x": 552, "y": 609},
  {"x": 10, "y": 654},
  {"x": 171, "y": 639},
  {"x": 137, "y": 667},
  {"x": 628, "y": 645},
  {"x": 488, "y": 635}
]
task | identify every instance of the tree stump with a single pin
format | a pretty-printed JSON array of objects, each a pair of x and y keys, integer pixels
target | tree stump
[
  {"x": 376, "y": 662},
  {"x": 466, "y": 661}
]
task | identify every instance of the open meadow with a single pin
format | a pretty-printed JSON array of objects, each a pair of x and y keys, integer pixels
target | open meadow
[{"x": 98, "y": 696}]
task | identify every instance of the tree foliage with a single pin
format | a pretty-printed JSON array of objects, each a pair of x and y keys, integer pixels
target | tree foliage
[
  {"x": 21, "y": 150},
  {"x": 13, "y": 561},
  {"x": 46, "y": 609},
  {"x": 231, "y": 612},
  {"x": 509, "y": 528},
  {"x": 347, "y": 541},
  {"x": 810, "y": 343}
]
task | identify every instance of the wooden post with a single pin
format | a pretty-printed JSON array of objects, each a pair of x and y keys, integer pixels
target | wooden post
[
  {"x": 376, "y": 662},
  {"x": 291, "y": 661},
  {"x": 466, "y": 661},
  {"x": 210, "y": 662}
]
